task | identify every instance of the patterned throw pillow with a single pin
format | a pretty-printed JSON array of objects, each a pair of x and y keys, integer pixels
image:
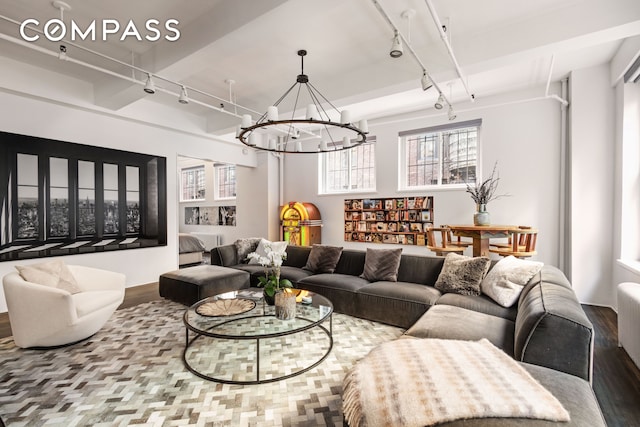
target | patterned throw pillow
[
  {"x": 505, "y": 281},
  {"x": 381, "y": 264},
  {"x": 244, "y": 247},
  {"x": 323, "y": 258},
  {"x": 462, "y": 274},
  {"x": 51, "y": 273}
]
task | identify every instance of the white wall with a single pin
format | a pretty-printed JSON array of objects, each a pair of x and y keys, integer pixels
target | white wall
[
  {"x": 523, "y": 137},
  {"x": 32, "y": 115},
  {"x": 592, "y": 149}
]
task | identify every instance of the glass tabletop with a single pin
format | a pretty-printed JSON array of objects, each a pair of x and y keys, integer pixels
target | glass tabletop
[{"x": 258, "y": 321}]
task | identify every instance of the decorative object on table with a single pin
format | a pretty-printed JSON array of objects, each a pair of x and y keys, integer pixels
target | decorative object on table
[
  {"x": 225, "y": 307},
  {"x": 317, "y": 123},
  {"x": 285, "y": 302},
  {"x": 482, "y": 194},
  {"x": 270, "y": 255}
]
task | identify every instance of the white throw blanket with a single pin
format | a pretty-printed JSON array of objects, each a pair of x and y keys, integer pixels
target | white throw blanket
[{"x": 422, "y": 382}]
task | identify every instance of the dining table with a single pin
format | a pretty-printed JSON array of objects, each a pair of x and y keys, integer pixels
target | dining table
[{"x": 481, "y": 234}]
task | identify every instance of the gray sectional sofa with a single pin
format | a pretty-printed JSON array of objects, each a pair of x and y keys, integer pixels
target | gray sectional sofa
[{"x": 546, "y": 328}]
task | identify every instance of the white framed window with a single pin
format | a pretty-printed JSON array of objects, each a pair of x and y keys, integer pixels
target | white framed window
[
  {"x": 225, "y": 182},
  {"x": 440, "y": 156},
  {"x": 192, "y": 182},
  {"x": 348, "y": 171}
]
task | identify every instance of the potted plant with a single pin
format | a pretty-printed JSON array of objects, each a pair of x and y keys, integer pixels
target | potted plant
[
  {"x": 271, "y": 282},
  {"x": 482, "y": 194}
]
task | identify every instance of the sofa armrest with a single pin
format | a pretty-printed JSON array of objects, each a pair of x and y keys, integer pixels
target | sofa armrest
[
  {"x": 95, "y": 279},
  {"x": 224, "y": 255},
  {"x": 553, "y": 330}
]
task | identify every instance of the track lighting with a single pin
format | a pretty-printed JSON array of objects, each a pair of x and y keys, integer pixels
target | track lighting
[
  {"x": 184, "y": 98},
  {"x": 149, "y": 87},
  {"x": 426, "y": 81},
  {"x": 439, "y": 103},
  {"x": 396, "y": 46},
  {"x": 451, "y": 113}
]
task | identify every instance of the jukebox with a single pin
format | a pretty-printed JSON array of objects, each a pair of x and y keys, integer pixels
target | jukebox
[{"x": 300, "y": 224}]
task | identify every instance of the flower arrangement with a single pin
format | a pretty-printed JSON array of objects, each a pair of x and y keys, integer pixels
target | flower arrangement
[
  {"x": 272, "y": 261},
  {"x": 484, "y": 193}
]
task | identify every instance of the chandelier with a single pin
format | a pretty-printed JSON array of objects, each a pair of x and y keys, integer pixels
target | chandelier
[{"x": 321, "y": 130}]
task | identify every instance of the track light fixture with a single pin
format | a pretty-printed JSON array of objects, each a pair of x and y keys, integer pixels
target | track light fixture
[
  {"x": 149, "y": 87},
  {"x": 396, "y": 47},
  {"x": 426, "y": 81},
  {"x": 184, "y": 98},
  {"x": 439, "y": 103},
  {"x": 451, "y": 113}
]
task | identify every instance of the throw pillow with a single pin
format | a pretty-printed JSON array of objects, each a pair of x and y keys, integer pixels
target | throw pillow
[
  {"x": 323, "y": 258},
  {"x": 381, "y": 264},
  {"x": 507, "y": 278},
  {"x": 51, "y": 273},
  {"x": 279, "y": 247},
  {"x": 245, "y": 246},
  {"x": 462, "y": 274}
]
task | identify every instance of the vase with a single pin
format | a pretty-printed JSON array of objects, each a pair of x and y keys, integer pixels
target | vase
[
  {"x": 285, "y": 305},
  {"x": 481, "y": 217},
  {"x": 270, "y": 300}
]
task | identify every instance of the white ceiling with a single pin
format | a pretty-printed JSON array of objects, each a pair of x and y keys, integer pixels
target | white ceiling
[{"x": 501, "y": 45}]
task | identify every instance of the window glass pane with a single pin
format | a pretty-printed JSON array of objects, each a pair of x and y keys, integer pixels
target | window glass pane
[
  {"x": 133, "y": 199},
  {"x": 442, "y": 157},
  {"x": 58, "y": 197},
  {"x": 111, "y": 216},
  {"x": 193, "y": 183},
  {"x": 86, "y": 198},
  {"x": 27, "y": 196},
  {"x": 226, "y": 181},
  {"x": 350, "y": 170}
]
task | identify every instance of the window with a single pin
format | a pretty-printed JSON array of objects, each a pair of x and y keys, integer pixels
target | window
[
  {"x": 439, "y": 156},
  {"x": 58, "y": 197},
  {"x": 225, "y": 182},
  {"x": 111, "y": 211},
  {"x": 348, "y": 171},
  {"x": 28, "y": 197},
  {"x": 193, "y": 183},
  {"x": 86, "y": 198}
]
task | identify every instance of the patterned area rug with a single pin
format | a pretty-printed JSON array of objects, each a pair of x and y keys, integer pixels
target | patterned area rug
[{"x": 131, "y": 374}]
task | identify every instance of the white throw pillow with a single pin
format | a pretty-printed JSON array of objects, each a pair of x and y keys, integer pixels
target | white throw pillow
[
  {"x": 505, "y": 281},
  {"x": 278, "y": 247},
  {"x": 50, "y": 273}
]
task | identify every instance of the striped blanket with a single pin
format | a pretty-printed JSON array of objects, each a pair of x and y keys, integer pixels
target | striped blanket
[{"x": 422, "y": 382}]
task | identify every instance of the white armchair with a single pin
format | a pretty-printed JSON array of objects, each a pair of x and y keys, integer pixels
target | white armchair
[{"x": 45, "y": 316}]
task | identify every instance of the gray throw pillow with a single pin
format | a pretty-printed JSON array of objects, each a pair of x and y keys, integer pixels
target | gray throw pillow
[
  {"x": 323, "y": 258},
  {"x": 462, "y": 274},
  {"x": 381, "y": 264},
  {"x": 245, "y": 246}
]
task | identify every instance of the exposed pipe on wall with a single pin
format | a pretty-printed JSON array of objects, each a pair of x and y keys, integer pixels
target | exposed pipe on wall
[{"x": 564, "y": 231}]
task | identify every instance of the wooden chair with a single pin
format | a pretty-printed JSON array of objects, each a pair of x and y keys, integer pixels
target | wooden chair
[
  {"x": 445, "y": 247},
  {"x": 508, "y": 244},
  {"x": 457, "y": 241},
  {"x": 523, "y": 244}
]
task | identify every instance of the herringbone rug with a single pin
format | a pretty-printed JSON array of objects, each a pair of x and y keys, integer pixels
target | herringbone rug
[{"x": 131, "y": 374}]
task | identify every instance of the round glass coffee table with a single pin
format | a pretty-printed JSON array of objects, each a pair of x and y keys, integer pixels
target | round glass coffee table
[{"x": 239, "y": 340}]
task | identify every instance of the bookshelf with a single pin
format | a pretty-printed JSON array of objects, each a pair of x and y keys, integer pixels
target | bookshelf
[{"x": 399, "y": 220}]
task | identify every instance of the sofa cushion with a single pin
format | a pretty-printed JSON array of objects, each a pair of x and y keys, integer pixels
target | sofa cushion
[
  {"x": 351, "y": 262},
  {"x": 455, "y": 323},
  {"x": 53, "y": 273},
  {"x": 92, "y": 301},
  {"x": 244, "y": 247},
  {"x": 297, "y": 256},
  {"x": 381, "y": 264},
  {"x": 419, "y": 269},
  {"x": 294, "y": 274},
  {"x": 335, "y": 281},
  {"x": 505, "y": 281},
  {"x": 323, "y": 258},
  {"x": 479, "y": 303},
  {"x": 462, "y": 274}
]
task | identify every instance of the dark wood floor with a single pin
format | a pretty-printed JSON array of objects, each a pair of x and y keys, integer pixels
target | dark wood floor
[{"x": 616, "y": 378}]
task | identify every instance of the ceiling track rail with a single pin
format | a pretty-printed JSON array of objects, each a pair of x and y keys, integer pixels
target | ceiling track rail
[
  {"x": 406, "y": 42},
  {"x": 146, "y": 73}
]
